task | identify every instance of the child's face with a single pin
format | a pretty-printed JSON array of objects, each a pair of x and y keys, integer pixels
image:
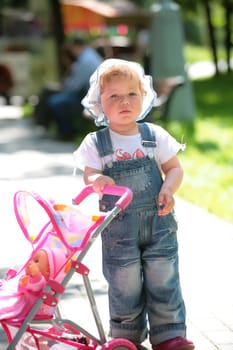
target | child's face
[
  {"x": 41, "y": 259},
  {"x": 121, "y": 100}
]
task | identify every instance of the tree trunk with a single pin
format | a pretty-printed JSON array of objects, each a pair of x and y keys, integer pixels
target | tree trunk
[
  {"x": 212, "y": 38},
  {"x": 228, "y": 6},
  {"x": 58, "y": 30}
]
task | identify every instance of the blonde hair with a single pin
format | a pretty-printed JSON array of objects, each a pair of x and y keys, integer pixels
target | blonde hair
[{"x": 120, "y": 71}]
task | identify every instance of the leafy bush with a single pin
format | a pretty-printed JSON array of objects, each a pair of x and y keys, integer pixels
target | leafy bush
[{"x": 208, "y": 160}]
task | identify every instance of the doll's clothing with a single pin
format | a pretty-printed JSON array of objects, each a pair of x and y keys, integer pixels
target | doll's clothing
[
  {"x": 16, "y": 299},
  {"x": 20, "y": 293}
]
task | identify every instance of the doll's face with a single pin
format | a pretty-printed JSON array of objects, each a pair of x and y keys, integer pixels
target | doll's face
[{"x": 41, "y": 259}]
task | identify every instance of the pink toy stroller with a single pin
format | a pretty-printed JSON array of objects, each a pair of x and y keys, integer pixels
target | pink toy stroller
[{"x": 67, "y": 228}]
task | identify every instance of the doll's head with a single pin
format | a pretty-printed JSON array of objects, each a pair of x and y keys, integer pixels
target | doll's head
[
  {"x": 40, "y": 263},
  {"x": 49, "y": 261}
]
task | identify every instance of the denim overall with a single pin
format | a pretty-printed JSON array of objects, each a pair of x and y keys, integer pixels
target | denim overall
[{"x": 140, "y": 258}]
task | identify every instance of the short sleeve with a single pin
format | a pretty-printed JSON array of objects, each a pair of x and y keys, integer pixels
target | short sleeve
[
  {"x": 167, "y": 145},
  {"x": 87, "y": 154}
]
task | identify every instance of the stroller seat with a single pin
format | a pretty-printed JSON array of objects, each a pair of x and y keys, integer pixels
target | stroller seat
[{"x": 56, "y": 227}]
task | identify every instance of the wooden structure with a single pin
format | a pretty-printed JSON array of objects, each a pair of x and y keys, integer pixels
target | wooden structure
[{"x": 89, "y": 14}]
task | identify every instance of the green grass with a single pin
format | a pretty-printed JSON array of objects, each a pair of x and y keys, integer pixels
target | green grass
[
  {"x": 208, "y": 158},
  {"x": 194, "y": 53}
]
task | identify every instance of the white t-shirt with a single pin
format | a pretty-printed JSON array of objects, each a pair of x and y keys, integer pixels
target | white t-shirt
[{"x": 127, "y": 147}]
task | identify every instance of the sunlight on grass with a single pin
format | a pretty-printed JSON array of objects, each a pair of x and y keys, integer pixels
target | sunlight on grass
[
  {"x": 194, "y": 53},
  {"x": 208, "y": 167},
  {"x": 208, "y": 158}
]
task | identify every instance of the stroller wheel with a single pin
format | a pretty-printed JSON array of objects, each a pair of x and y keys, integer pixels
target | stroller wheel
[{"x": 119, "y": 344}]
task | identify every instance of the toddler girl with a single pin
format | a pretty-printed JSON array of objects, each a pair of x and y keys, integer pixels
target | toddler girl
[{"x": 140, "y": 249}]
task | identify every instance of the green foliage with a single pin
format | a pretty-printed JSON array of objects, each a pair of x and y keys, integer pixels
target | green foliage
[
  {"x": 194, "y": 53},
  {"x": 143, "y": 3},
  {"x": 188, "y": 6},
  {"x": 207, "y": 160},
  {"x": 14, "y": 3}
]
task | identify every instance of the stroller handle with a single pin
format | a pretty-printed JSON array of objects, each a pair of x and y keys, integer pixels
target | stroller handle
[{"x": 125, "y": 194}]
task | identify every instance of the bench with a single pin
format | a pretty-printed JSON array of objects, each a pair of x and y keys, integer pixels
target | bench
[{"x": 166, "y": 89}]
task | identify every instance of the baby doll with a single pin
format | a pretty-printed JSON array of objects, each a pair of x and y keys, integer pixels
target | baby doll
[{"x": 19, "y": 294}]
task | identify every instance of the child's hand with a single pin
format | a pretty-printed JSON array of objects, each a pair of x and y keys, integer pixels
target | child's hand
[
  {"x": 166, "y": 202},
  {"x": 100, "y": 182},
  {"x": 32, "y": 269}
]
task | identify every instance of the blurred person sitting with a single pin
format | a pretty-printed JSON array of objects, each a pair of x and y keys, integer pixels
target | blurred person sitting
[
  {"x": 6, "y": 83},
  {"x": 62, "y": 103},
  {"x": 42, "y": 114},
  {"x": 65, "y": 106}
]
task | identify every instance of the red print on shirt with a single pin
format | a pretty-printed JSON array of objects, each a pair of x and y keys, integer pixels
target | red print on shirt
[{"x": 120, "y": 155}]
